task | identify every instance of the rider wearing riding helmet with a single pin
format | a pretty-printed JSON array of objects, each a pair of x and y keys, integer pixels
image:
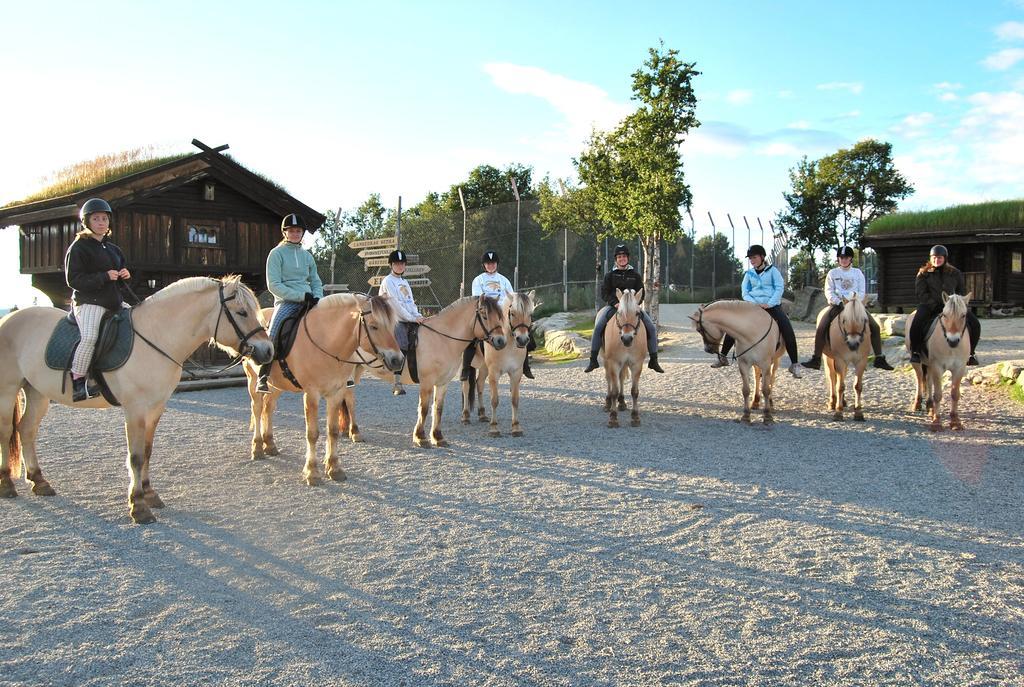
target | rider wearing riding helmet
[
  {"x": 396, "y": 287},
  {"x": 293, "y": 279},
  {"x": 622, "y": 277},
  {"x": 496, "y": 286},
  {"x": 763, "y": 284},
  {"x": 844, "y": 282},
  {"x": 93, "y": 268},
  {"x": 934, "y": 278}
]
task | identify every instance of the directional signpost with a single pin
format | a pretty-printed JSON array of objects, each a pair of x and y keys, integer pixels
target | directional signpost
[
  {"x": 411, "y": 259},
  {"x": 416, "y": 270},
  {"x": 390, "y": 242},
  {"x": 414, "y": 282},
  {"x": 374, "y": 252}
]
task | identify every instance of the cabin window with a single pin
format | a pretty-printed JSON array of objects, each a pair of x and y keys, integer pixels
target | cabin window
[
  {"x": 199, "y": 235},
  {"x": 208, "y": 190},
  {"x": 1015, "y": 262}
]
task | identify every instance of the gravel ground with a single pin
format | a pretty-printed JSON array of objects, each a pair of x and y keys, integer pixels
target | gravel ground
[{"x": 690, "y": 551}]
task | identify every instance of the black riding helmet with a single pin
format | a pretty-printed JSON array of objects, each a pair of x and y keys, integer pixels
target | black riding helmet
[
  {"x": 939, "y": 250},
  {"x": 844, "y": 252},
  {"x": 397, "y": 256},
  {"x": 489, "y": 256},
  {"x": 293, "y": 220},
  {"x": 756, "y": 250},
  {"x": 621, "y": 249},
  {"x": 93, "y": 205}
]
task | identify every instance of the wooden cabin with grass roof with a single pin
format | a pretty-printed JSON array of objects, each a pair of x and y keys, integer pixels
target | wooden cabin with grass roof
[
  {"x": 985, "y": 242},
  {"x": 174, "y": 217}
]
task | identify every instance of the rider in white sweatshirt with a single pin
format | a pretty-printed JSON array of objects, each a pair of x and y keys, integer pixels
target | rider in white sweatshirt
[{"x": 397, "y": 289}]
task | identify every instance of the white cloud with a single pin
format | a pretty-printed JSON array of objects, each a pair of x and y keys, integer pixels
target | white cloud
[
  {"x": 740, "y": 96},
  {"x": 948, "y": 86},
  {"x": 914, "y": 126},
  {"x": 854, "y": 87},
  {"x": 583, "y": 105},
  {"x": 1004, "y": 59},
  {"x": 1010, "y": 31},
  {"x": 948, "y": 97}
]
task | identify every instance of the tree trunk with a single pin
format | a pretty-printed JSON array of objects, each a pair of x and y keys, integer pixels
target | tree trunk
[
  {"x": 652, "y": 267},
  {"x": 598, "y": 275}
]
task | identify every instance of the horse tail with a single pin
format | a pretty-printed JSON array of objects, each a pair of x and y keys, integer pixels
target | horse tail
[
  {"x": 344, "y": 415},
  {"x": 14, "y": 456}
]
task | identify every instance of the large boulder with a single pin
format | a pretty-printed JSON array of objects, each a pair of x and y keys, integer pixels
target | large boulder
[
  {"x": 892, "y": 325},
  {"x": 558, "y": 338}
]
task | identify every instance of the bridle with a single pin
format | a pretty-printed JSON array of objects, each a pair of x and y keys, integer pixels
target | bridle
[
  {"x": 528, "y": 328},
  {"x": 846, "y": 335},
  {"x": 942, "y": 323},
  {"x": 244, "y": 347},
  {"x": 488, "y": 336},
  {"x": 362, "y": 328},
  {"x": 627, "y": 327},
  {"x": 712, "y": 345}
]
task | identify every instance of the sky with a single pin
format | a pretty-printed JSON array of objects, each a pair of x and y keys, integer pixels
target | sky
[{"x": 338, "y": 100}]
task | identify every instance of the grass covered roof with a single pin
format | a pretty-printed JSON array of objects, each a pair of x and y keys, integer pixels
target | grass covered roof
[{"x": 1002, "y": 214}]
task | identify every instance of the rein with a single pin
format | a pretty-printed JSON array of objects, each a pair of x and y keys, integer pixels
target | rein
[
  {"x": 361, "y": 328},
  {"x": 488, "y": 333},
  {"x": 718, "y": 345}
]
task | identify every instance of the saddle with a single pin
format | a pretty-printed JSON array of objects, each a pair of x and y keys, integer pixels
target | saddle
[
  {"x": 113, "y": 347},
  {"x": 286, "y": 339}
]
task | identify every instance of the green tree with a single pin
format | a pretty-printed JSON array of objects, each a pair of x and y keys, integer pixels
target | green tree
[
  {"x": 635, "y": 171},
  {"x": 809, "y": 216}
]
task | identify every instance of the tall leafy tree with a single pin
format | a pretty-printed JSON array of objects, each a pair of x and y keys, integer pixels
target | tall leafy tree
[
  {"x": 809, "y": 216},
  {"x": 636, "y": 171}
]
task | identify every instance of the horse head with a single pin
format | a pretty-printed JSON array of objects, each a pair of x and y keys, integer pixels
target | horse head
[
  {"x": 853, "y": 322},
  {"x": 378, "y": 320},
  {"x": 627, "y": 315},
  {"x": 246, "y": 335},
  {"x": 710, "y": 335},
  {"x": 953, "y": 319},
  {"x": 491, "y": 320},
  {"x": 520, "y": 316}
]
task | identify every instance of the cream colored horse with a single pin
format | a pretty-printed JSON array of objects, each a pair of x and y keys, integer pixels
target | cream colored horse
[
  {"x": 494, "y": 363},
  {"x": 442, "y": 339},
  {"x": 176, "y": 320},
  {"x": 846, "y": 349},
  {"x": 342, "y": 331},
  {"x": 949, "y": 347},
  {"x": 624, "y": 351},
  {"x": 758, "y": 342}
]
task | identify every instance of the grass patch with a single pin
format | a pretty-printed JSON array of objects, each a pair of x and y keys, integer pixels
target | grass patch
[
  {"x": 993, "y": 215},
  {"x": 1015, "y": 390}
]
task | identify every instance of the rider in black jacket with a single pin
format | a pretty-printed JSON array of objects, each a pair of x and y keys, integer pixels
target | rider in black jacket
[{"x": 622, "y": 277}]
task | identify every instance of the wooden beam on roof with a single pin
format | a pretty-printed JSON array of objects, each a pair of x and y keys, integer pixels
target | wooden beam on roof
[
  {"x": 207, "y": 149},
  {"x": 58, "y": 212}
]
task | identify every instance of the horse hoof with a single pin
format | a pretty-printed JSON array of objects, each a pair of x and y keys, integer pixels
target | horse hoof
[
  {"x": 465, "y": 420},
  {"x": 7, "y": 490},
  {"x": 838, "y": 417},
  {"x": 357, "y": 439},
  {"x": 635, "y": 422},
  {"x": 441, "y": 443},
  {"x": 153, "y": 500},
  {"x": 859, "y": 417},
  {"x": 258, "y": 456},
  {"x": 422, "y": 443},
  {"x": 494, "y": 433},
  {"x": 935, "y": 427},
  {"x": 517, "y": 432},
  {"x": 338, "y": 475},
  {"x": 43, "y": 489},
  {"x": 272, "y": 451},
  {"x": 612, "y": 424},
  {"x": 769, "y": 420},
  {"x": 956, "y": 426},
  {"x": 142, "y": 515},
  {"x": 743, "y": 419},
  {"x": 483, "y": 419}
]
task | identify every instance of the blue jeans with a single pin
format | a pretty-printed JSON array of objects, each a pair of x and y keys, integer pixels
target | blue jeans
[{"x": 602, "y": 321}]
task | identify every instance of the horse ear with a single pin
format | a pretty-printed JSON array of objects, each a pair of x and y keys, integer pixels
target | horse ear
[
  {"x": 618, "y": 293},
  {"x": 970, "y": 294},
  {"x": 847, "y": 300},
  {"x": 945, "y": 296}
]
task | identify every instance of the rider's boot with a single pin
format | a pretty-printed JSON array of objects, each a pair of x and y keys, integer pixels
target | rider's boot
[
  {"x": 82, "y": 389},
  {"x": 527, "y": 372},
  {"x": 814, "y": 362},
  {"x": 263, "y": 380},
  {"x": 881, "y": 363},
  {"x": 653, "y": 363},
  {"x": 592, "y": 365}
]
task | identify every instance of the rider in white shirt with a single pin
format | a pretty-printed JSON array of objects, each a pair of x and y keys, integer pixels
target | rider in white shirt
[
  {"x": 844, "y": 281},
  {"x": 397, "y": 289},
  {"x": 494, "y": 285}
]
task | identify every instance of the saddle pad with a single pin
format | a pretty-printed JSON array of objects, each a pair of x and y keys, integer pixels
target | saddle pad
[
  {"x": 117, "y": 337},
  {"x": 288, "y": 331}
]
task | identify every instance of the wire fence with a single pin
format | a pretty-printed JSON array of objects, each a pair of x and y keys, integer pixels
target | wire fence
[{"x": 564, "y": 266}]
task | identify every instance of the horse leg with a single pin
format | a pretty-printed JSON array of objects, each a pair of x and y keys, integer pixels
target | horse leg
[
  {"x": 269, "y": 406},
  {"x": 935, "y": 384},
  {"x": 611, "y": 398},
  {"x": 954, "y": 404},
  {"x": 419, "y": 437},
  {"x": 136, "y": 426},
  {"x": 766, "y": 387},
  {"x": 492, "y": 382},
  {"x": 332, "y": 464},
  {"x": 756, "y": 401},
  {"x": 347, "y": 417},
  {"x": 466, "y": 392},
  {"x": 514, "y": 379},
  {"x": 634, "y": 416},
  {"x": 744, "y": 369},
  {"x": 858, "y": 388},
  {"x": 919, "y": 391},
  {"x": 36, "y": 407},
  {"x": 481, "y": 416},
  {"x": 840, "y": 390},
  {"x": 10, "y": 444},
  {"x": 311, "y": 409},
  {"x": 435, "y": 429},
  {"x": 620, "y": 401},
  {"x": 153, "y": 499},
  {"x": 255, "y": 416}
]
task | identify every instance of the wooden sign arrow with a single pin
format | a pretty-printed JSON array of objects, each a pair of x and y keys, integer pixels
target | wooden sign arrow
[
  {"x": 416, "y": 270},
  {"x": 386, "y": 242},
  {"x": 374, "y": 252},
  {"x": 415, "y": 282},
  {"x": 411, "y": 259}
]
